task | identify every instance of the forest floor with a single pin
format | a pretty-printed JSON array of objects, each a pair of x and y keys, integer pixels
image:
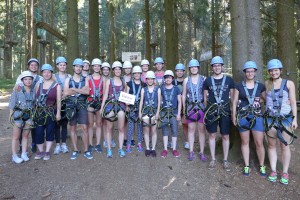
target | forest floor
[{"x": 135, "y": 176}]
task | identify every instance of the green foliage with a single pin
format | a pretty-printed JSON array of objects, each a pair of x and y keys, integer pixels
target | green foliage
[{"x": 6, "y": 84}]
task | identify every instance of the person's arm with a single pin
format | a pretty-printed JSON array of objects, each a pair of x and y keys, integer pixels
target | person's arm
[
  {"x": 205, "y": 92},
  {"x": 84, "y": 90},
  {"x": 234, "y": 106},
  {"x": 105, "y": 94},
  {"x": 158, "y": 103},
  {"x": 141, "y": 103},
  {"x": 58, "y": 102},
  {"x": 184, "y": 91},
  {"x": 292, "y": 97},
  {"x": 67, "y": 89},
  {"x": 179, "y": 106}
]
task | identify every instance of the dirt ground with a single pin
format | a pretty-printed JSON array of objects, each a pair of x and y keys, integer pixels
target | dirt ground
[{"x": 135, "y": 176}]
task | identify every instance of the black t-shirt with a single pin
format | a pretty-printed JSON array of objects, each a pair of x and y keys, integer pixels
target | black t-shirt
[
  {"x": 179, "y": 84},
  {"x": 129, "y": 84},
  {"x": 243, "y": 97},
  {"x": 229, "y": 84}
]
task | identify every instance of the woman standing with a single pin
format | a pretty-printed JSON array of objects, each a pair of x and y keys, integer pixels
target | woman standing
[{"x": 248, "y": 116}]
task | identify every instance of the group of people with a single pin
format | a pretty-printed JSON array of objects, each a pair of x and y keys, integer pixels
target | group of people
[{"x": 44, "y": 105}]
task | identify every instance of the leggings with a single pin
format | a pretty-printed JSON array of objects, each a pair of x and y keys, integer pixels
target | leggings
[
  {"x": 47, "y": 129},
  {"x": 131, "y": 126},
  {"x": 63, "y": 125}
]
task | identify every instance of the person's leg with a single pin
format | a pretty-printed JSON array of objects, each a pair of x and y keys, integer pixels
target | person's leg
[
  {"x": 153, "y": 131},
  {"x": 165, "y": 131},
  {"x": 25, "y": 135},
  {"x": 174, "y": 131},
  {"x": 258, "y": 137},
  {"x": 98, "y": 127},
  {"x": 272, "y": 153},
  {"x": 225, "y": 144},
  {"x": 285, "y": 153},
  {"x": 15, "y": 140},
  {"x": 146, "y": 130},
  {"x": 73, "y": 136},
  {"x": 121, "y": 125},
  {"x": 90, "y": 127},
  {"x": 130, "y": 126},
  {"x": 212, "y": 145},
  {"x": 191, "y": 134},
  {"x": 57, "y": 132},
  {"x": 245, "y": 146},
  {"x": 64, "y": 130},
  {"x": 50, "y": 127},
  {"x": 201, "y": 131},
  {"x": 40, "y": 135},
  {"x": 84, "y": 136}
]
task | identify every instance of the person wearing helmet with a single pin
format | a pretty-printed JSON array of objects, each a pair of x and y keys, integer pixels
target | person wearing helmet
[
  {"x": 170, "y": 113},
  {"x": 21, "y": 104},
  {"x": 145, "y": 68},
  {"x": 159, "y": 73},
  {"x": 134, "y": 87},
  {"x": 247, "y": 115},
  {"x": 94, "y": 104},
  {"x": 76, "y": 89},
  {"x": 282, "y": 111},
  {"x": 48, "y": 111},
  {"x": 179, "y": 70},
  {"x": 192, "y": 95},
  {"x": 127, "y": 67},
  {"x": 112, "y": 109},
  {"x": 217, "y": 92},
  {"x": 149, "y": 112},
  {"x": 105, "y": 68},
  {"x": 86, "y": 68},
  {"x": 61, "y": 128},
  {"x": 33, "y": 67}
]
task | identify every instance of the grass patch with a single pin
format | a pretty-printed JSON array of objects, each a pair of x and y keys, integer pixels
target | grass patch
[{"x": 7, "y": 85}]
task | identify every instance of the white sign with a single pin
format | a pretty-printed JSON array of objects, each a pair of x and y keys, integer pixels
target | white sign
[
  {"x": 132, "y": 56},
  {"x": 127, "y": 98}
]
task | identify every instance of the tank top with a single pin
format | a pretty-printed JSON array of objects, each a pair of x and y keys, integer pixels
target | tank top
[
  {"x": 51, "y": 98},
  {"x": 98, "y": 86},
  {"x": 195, "y": 91}
]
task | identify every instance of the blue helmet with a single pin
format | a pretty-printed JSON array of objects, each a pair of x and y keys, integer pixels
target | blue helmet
[
  {"x": 249, "y": 65},
  {"x": 33, "y": 60},
  {"x": 274, "y": 64},
  {"x": 217, "y": 60},
  {"x": 78, "y": 61},
  {"x": 194, "y": 63},
  {"x": 180, "y": 66},
  {"x": 60, "y": 60},
  {"x": 158, "y": 60},
  {"x": 47, "y": 67}
]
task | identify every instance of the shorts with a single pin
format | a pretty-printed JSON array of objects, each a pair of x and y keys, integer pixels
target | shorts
[
  {"x": 173, "y": 126},
  {"x": 80, "y": 117},
  {"x": 224, "y": 122},
  {"x": 258, "y": 126},
  {"x": 193, "y": 116},
  {"x": 287, "y": 123},
  {"x": 109, "y": 107}
]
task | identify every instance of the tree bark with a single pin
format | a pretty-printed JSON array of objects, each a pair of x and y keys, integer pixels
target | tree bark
[
  {"x": 286, "y": 40},
  {"x": 147, "y": 30},
  {"x": 94, "y": 50},
  {"x": 72, "y": 33},
  {"x": 31, "y": 50},
  {"x": 112, "y": 32},
  {"x": 7, "y": 62}
]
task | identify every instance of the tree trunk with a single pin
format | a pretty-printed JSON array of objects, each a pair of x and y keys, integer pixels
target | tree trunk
[
  {"x": 8, "y": 41},
  {"x": 286, "y": 39},
  {"x": 147, "y": 24},
  {"x": 255, "y": 36},
  {"x": 31, "y": 50},
  {"x": 72, "y": 33},
  {"x": 112, "y": 32},
  {"x": 94, "y": 51},
  {"x": 51, "y": 60},
  {"x": 213, "y": 28},
  {"x": 176, "y": 37}
]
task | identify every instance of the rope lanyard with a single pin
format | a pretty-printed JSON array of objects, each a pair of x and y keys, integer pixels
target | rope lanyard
[
  {"x": 250, "y": 97},
  {"x": 218, "y": 97},
  {"x": 278, "y": 100},
  {"x": 96, "y": 90}
]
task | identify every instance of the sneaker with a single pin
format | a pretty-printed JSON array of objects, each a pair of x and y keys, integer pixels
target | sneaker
[
  {"x": 16, "y": 159},
  {"x": 57, "y": 149},
  {"x": 24, "y": 157},
  {"x": 164, "y": 153},
  {"x": 226, "y": 166},
  {"x": 169, "y": 145},
  {"x": 272, "y": 177},
  {"x": 262, "y": 171},
  {"x": 39, "y": 156},
  {"x": 175, "y": 153},
  {"x": 109, "y": 153},
  {"x": 212, "y": 165},
  {"x": 140, "y": 148},
  {"x": 153, "y": 153},
  {"x": 98, "y": 148},
  {"x": 246, "y": 171},
  {"x": 105, "y": 144},
  {"x": 125, "y": 143},
  {"x": 88, "y": 155},
  {"x": 74, "y": 155},
  {"x": 33, "y": 148},
  {"x": 128, "y": 149},
  {"x": 147, "y": 153},
  {"x": 90, "y": 148},
  {"x": 113, "y": 144},
  {"x": 64, "y": 148},
  {"x": 121, "y": 153},
  {"x": 202, "y": 157},
  {"x": 284, "y": 178},
  {"x": 186, "y": 145},
  {"x": 47, "y": 156},
  {"x": 132, "y": 143},
  {"x": 191, "y": 156}
]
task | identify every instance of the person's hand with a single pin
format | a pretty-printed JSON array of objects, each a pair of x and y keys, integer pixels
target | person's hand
[
  {"x": 178, "y": 117},
  {"x": 58, "y": 116},
  {"x": 294, "y": 123},
  {"x": 234, "y": 120}
]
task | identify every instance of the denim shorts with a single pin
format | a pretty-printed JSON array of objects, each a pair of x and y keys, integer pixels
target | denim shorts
[{"x": 258, "y": 126}]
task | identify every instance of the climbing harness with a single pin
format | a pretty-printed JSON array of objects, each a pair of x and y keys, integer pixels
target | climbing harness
[{"x": 94, "y": 100}]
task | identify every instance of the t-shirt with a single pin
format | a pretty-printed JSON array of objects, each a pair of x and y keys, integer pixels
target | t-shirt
[
  {"x": 179, "y": 84},
  {"x": 137, "y": 90},
  {"x": 229, "y": 84},
  {"x": 159, "y": 75},
  {"x": 243, "y": 97},
  {"x": 167, "y": 96}
]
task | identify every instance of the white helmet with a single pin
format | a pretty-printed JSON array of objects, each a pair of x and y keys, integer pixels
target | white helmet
[
  {"x": 150, "y": 74},
  {"x": 105, "y": 64},
  {"x": 26, "y": 74},
  {"x": 127, "y": 64},
  {"x": 145, "y": 62},
  {"x": 86, "y": 61},
  {"x": 116, "y": 64},
  {"x": 96, "y": 61},
  {"x": 137, "y": 69},
  {"x": 169, "y": 73}
]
